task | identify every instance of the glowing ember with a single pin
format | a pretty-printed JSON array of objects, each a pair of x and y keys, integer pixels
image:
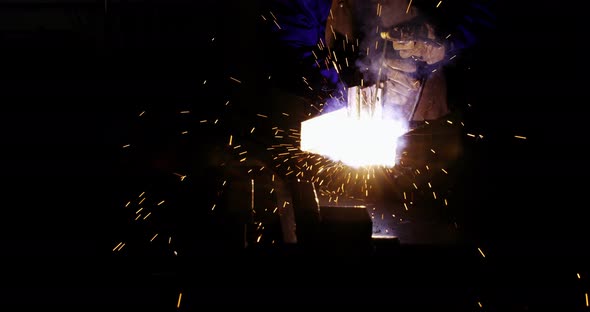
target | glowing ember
[{"x": 355, "y": 142}]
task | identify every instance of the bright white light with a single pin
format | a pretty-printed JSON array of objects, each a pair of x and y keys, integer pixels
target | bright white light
[{"x": 354, "y": 142}]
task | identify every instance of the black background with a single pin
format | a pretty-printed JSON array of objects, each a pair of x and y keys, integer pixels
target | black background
[{"x": 73, "y": 78}]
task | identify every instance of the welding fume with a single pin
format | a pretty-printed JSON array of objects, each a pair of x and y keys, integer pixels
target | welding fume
[{"x": 400, "y": 74}]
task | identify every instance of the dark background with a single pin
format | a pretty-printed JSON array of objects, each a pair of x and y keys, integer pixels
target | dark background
[{"x": 74, "y": 77}]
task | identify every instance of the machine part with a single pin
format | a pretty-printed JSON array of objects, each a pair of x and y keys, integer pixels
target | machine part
[
  {"x": 306, "y": 211},
  {"x": 347, "y": 229},
  {"x": 329, "y": 228},
  {"x": 395, "y": 98},
  {"x": 365, "y": 103}
]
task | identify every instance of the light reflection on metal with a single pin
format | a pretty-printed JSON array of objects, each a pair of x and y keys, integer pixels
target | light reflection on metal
[{"x": 364, "y": 133}]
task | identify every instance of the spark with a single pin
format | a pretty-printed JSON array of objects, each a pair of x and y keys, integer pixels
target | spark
[
  {"x": 409, "y": 5},
  {"x": 479, "y": 304},
  {"x": 261, "y": 115},
  {"x": 252, "y": 131},
  {"x": 185, "y": 112},
  {"x": 449, "y": 122},
  {"x": 335, "y": 67},
  {"x": 578, "y": 274},
  {"x": 153, "y": 237},
  {"x": 162, "y": 202},
  {"x": 234, "y": 79},
  {"x": 141, "y": 201},
  {"x": 127, "y": 204},
  {"x": 142, "y": 193},
  {"x": 252, "y": 199},
  {"x": 278, "y": 26},
  {"x": 141, "y": 114},
  {"x": 179, "y": 299},
  {"x": 139, "y": 210},
  {"x": 443, "y": 170},
  {"x": 259, "y": 238},
  {"x": 182, "y": 177},
  {"x": 439, "y": 3},
  {"x": 126, "y": 145},
  {"x": 137, "y": 218},
  {"x": 147, "y": 215},
  {"x": 587, "y": 303},
  {"x": 121, "y": 247},
  {"x": 119, "y": 244},
  {"x": 231, "y": 138},
  {"x": 446, "y": 202},
  {"x": 433, "y": 151},
  {"x": 520, "y": 137},
  {"x": 481, "y": 252},
  {"x": 227, "y": 103}
]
